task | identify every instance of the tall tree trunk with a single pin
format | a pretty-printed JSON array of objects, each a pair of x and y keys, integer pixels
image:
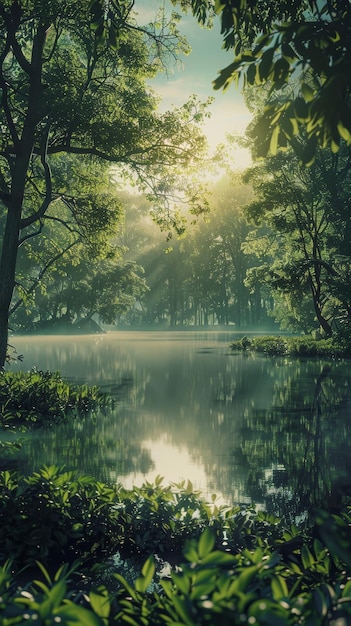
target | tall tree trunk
[
  {"x": 10, "y": 248},
  {"x": 7, "y": 273},
  {"x": 23, "y": 147}
]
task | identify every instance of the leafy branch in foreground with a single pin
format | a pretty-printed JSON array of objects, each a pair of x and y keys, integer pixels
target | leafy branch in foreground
[{"x": 300, "y": 50}]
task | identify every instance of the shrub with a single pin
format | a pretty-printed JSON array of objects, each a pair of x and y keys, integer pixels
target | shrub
[
  {"x": 305, "y": 346},
  {"x": 54, "y": 516},
  {"x": 210, "y": 587},
  {"x": 36, "y": 398}
]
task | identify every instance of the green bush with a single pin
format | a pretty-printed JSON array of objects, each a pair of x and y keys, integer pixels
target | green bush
[
  {"x": 211, "y": 587},
  {"x": 238, "y": 566},
  {"x": 305, "y": 346},
  {"x": 36, "y": 398},
  {"x": 54, "y": 516}
]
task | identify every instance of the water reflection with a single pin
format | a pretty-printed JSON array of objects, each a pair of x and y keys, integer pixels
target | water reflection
[{"x": 272, "y": 431}]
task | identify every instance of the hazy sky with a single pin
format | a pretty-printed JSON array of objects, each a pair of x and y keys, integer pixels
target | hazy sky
[{"x": 200, "y": 68}]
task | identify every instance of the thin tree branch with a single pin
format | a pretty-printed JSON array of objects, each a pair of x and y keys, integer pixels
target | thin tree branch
[
  {"x": 41, "y": 274},
  {"x": 38, "y": 215}
]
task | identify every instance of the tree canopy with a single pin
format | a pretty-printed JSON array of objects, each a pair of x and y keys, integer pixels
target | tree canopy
[
  {"x": 300, "y": 49},
  {"x": 302, "y": 239}
]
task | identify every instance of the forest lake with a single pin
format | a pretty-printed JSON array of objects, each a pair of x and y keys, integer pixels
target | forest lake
[{"x": 252, "y": 429}]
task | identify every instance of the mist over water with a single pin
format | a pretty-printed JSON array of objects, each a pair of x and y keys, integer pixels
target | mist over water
[{"x": 252, "y": 429}]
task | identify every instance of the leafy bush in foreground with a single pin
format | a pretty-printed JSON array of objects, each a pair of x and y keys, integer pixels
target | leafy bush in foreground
[
  {"x": 210, "y": 587},
  {"x": 238, "y": 566},
  {"x": 55, "y": 516}
]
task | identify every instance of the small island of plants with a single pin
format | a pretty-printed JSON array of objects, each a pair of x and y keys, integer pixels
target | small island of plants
[{"x": 291, "y": 345}]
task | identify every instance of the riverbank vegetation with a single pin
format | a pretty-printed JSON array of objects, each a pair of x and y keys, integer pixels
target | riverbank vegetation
[
  {"x": 79, "y": 551},
  {"x": 280, "y": 345},
  {"x": 38, "y": 398}
]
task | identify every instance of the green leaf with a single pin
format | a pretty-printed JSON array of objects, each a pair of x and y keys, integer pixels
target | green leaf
[
  {"x": 183, "y": 583},
  {"x": 306, "y": 556},
  {"x": 100, "y": 603},
  {"x": 206, "y": 542},
  {"x": 279, "y": 588},
  {"x": 273, "y": 145},
  {"x": 344, "y": 132},
  {"x": 204, "y": 589},
  {"x": 112, "y": 38},
  {"x": 181, "y": 607},
  {"x": 218, "y": 558},
  {"x": 319, "y": 599},
  {"x": 226, "y": 76},
  {"x": 148, "y": 570},
  {"x": 265, "y": 65},
  {"x": 190, "y": 552},
  {"x": 241, "y": 583},
  {"x": 126, "y": 585},
  {"x": 307, "y": 92},
  {"x": 336, "y": 535},
  {"x": 74, "y": 615}
]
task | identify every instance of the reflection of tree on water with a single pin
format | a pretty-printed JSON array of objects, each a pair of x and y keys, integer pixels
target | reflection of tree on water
[
  {"x": 236, "y": 415},
  {"x": 95, "y": 445},
  {"x": 307, "y": 451}
]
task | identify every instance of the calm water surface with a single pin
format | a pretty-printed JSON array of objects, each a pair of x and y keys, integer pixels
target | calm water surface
[{"x": 270, "y": 431}]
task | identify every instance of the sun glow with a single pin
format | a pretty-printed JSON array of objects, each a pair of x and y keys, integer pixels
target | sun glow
[{"x": 174, "y": 462}]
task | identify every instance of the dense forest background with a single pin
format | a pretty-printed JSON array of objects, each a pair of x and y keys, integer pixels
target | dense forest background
[
  {"x": 113, "y": 213},
  {"x": 271, "y": 252}
]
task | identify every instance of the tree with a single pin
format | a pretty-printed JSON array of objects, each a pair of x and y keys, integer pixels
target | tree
[
  {"x": 77, "y": 290},
  {"x": 300, "y": 49},
  {"x": 65, "y": 92},
  {"x": 67, "y": 239},
  {"x": 304, "y": 256}
]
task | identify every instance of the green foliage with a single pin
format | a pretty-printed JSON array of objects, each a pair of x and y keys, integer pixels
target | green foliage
[
  {"x": 199, "y": 279},
  {"x": 73, "y": 103},
  {"x": 237, "y": 567},
  {"x": 303, "y": 43},
  {"x": 50, "y": 601},
  {"x": 301, "y": 239},
  {"x": 210, "y": 587},
  {"x": 39, "y": 398},
  {"x": 54, "y": 516},
  {"x": 163, "y": 516},
  {"x": 293, "y": 346}
]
